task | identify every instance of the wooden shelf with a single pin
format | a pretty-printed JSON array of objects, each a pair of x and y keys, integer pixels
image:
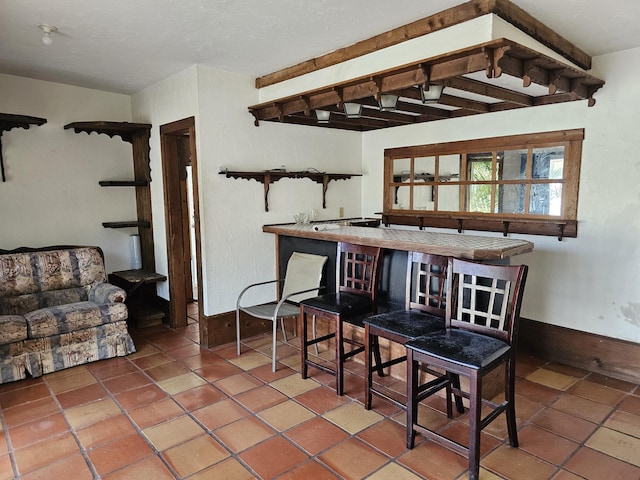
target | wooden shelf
[
  {"x": 137, "y": 134},
  {"x": 268, "y": 177},
  {"x": 132, "y": 223},
  {"x": 9, "y": 121},
  {"x": 124, "y": 130},
  {"x": 123, "y": 183}
]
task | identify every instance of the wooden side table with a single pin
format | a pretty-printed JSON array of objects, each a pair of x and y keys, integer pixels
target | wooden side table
[{"x": 140, "y": 286}]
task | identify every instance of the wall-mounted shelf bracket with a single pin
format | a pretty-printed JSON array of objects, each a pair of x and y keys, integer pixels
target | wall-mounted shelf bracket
[
  {"x": 9, "y": 121},
  {"x": 268, "y": 177}
]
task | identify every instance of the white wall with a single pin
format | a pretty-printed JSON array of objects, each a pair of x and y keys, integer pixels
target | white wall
[
  {"x": 588, "y": 283},
  {"x": 168, "y": 101},
  {"x": 52, "y": 196},
  {"x": 235, "y": 250}
]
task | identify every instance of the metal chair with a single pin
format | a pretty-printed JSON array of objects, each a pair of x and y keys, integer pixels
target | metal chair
[
  {"x": 302, "y": 280},
  {"x": 482, "y": 314},
  {"x": 423, "y": 314},
  {"x": 355, "y": 299}
]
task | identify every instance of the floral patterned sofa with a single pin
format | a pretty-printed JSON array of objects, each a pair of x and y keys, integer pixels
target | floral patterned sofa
[{"x": 57, "y": 311}]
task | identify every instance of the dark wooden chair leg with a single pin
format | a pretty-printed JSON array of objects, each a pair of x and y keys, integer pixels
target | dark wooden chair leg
[
  {"x": 511, "y": 408},
  {"x": 455, "y": 381},
  {"x": 378, "y": 357},
  {"x": 303, "y": 329},
  {"x": 475, "y": 407},
  {"x": 412, "y": 404},
  {"x": 368, "y": 354},
  {"x": 339, "y": 358}
]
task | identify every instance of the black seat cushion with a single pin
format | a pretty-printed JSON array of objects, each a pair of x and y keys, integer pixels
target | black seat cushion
[
  {"x": 343, "y": 304},
  {"x": 407, "y": 323},
  {"x": 469, "y": 349}
]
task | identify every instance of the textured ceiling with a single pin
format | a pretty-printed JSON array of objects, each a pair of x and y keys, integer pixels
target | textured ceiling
[{"x": 124, "y": 46}]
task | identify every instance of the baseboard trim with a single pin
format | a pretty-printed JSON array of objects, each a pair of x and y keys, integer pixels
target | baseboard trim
[
  {"x": 607, "y": 356},
  {"x": 222, "y": 328}
]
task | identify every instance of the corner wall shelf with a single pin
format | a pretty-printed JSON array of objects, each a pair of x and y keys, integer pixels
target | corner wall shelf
[
  {"x": 268, "y": 177},
  {"x": 137, "y": 134}
]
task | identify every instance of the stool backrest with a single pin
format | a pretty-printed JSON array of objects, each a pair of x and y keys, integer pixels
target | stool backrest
[
  {"x": 426, "y": 283},
  {"x": 485, "y": 298},
  {"x": 357, "y": 270}
]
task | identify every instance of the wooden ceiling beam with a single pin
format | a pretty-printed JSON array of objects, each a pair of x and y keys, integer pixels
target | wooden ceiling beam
[{"x": 487, "y": 90}]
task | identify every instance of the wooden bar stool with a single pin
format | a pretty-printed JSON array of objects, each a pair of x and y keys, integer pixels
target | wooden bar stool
[
  {"x": 355, "y": 299},
  {"x": 482, "y": 313},
  {"x": 423, "y": 314}
]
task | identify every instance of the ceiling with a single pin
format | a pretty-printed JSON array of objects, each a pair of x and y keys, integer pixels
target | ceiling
[{"x": 124, "y": 46}]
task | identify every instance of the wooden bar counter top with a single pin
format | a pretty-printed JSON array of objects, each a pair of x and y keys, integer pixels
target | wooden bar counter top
[{"x": 472, "y": 247}]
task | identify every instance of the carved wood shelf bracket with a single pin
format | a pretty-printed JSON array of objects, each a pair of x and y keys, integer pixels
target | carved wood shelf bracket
[
  {"x": 9, "y": 121},
  {"x": 270, "y": 176}
]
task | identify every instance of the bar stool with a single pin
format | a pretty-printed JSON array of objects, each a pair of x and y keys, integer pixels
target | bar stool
[
  {"x": 482, "y": 314},
  {"x": 356, "y": 279},
  {"x": 423, "y": 314}
]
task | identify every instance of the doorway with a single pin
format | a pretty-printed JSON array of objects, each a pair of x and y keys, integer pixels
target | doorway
[{"x": 182, "y": 219}]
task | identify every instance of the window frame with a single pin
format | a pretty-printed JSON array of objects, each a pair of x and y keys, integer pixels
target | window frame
[{"x": 563, "y": 225}]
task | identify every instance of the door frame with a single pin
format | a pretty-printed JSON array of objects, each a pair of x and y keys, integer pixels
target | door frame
[{"x": 174, "y": 214}]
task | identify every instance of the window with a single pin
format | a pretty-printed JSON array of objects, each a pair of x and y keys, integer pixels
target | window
[{"x": 521, "y": 184}]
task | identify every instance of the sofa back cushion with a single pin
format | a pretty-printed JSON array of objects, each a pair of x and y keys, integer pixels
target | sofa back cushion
[{"x": 45, "y": 278}]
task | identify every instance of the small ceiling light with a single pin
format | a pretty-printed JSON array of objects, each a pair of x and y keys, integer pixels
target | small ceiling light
[
  {"x": 352, "y": 110},
  {"x": 388, "y": 102},
  {"x": 431, "y": 93},
  {"x": 48, "y": 30},
  {"x": 323, "y": 116}
]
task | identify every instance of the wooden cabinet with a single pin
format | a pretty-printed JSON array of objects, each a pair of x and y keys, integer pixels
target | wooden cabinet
[{"x": 140, "y": 286}]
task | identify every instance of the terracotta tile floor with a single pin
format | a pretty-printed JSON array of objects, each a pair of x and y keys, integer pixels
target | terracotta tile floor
[{"x": 174, "y": 410}]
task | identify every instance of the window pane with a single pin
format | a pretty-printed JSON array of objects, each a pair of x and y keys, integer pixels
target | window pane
[
  {"x": 422, "y": 196},
  {"x": 514, "y": 164},
  {"x": 449, "y": 167},
  {"x": 480, "y": 166},
  {"x": 448, "y": 198},
  {"x": 548, "y": 162},
  {"x": 402, "y": 198},
  {"x": 546, "y": 199},
  {"x": 424, "y": 168},
  {"x": 401, "y": 169},
  {"x": 510, "y": 198},
  {"x": 479, "y": 198}
]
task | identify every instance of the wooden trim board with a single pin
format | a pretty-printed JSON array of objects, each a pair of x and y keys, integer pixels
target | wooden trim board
[{"x": 607, "y": 356}]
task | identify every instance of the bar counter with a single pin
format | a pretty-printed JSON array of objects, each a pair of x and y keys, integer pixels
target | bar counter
[{"x": 471, "y": 247}]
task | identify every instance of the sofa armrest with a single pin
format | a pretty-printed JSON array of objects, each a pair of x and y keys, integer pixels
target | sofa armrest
[{"x": 106, "y": 293}]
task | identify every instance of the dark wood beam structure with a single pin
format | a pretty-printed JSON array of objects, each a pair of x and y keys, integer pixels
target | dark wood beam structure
[{"x": 457, "y": 72}]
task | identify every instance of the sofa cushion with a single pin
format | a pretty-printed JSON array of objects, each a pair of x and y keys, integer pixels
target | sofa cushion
[
  {"x": 40, "y": 271},
  {"x": 22, "y": 304},
  {"x": 74, "y": 316},
  {"x": 13, "y": 328}
]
